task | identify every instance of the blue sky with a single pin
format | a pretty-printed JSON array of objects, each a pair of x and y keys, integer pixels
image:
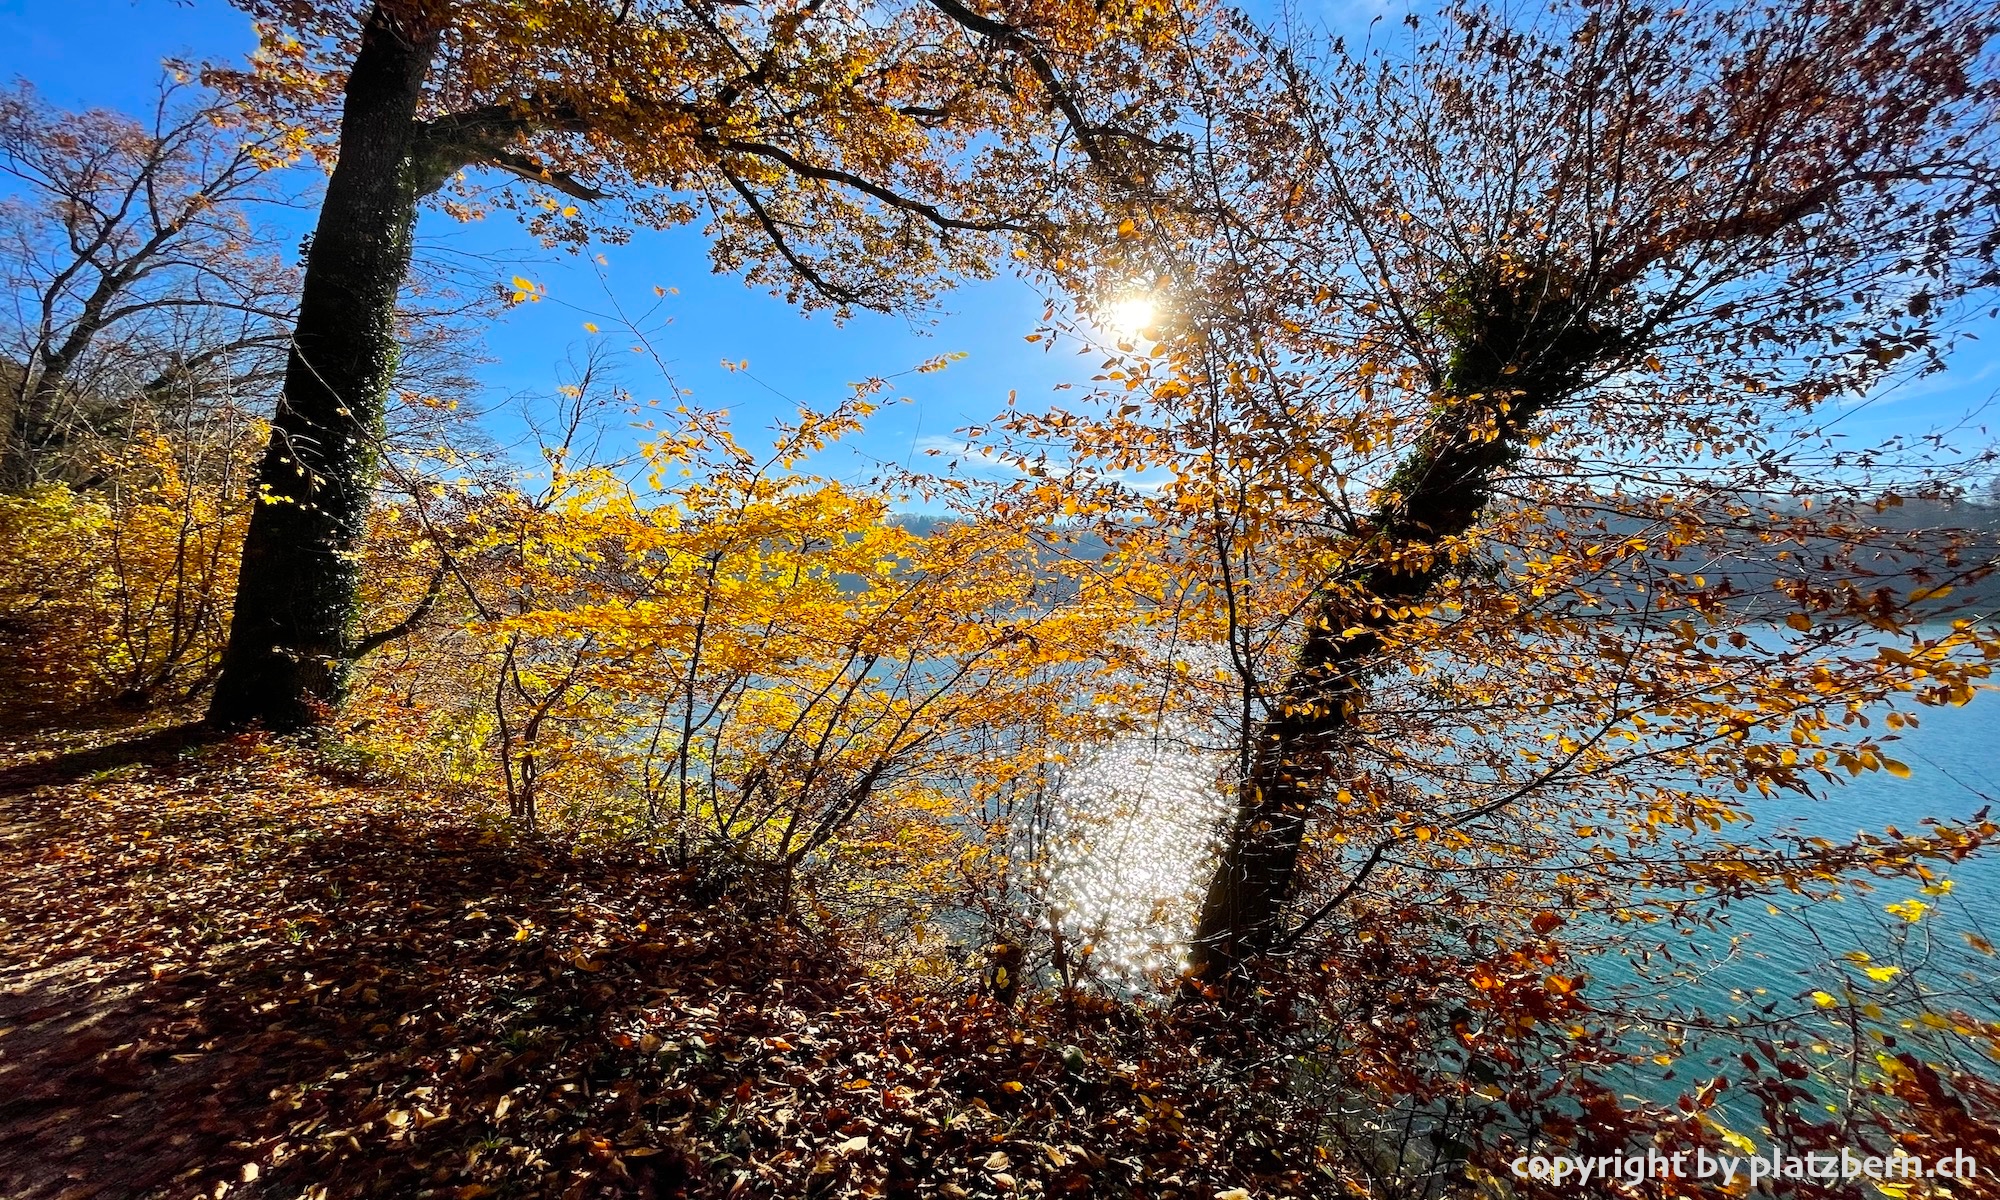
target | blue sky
[
  {"x": 107, "y": 52},
  {"x": 81, "y": 53}
]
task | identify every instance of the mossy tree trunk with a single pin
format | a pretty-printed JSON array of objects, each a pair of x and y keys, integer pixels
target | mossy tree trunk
[
  {"x": 1522, "y": 344},
  {"x": 286, "y": 662}
]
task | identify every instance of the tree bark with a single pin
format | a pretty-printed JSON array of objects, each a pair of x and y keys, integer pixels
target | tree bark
[
  {"x": 1522, "y": 344},
  {"x": 35, "y": 426},
  {"x": 286, "y": 662},
  {"x": 27, "y": 421}
]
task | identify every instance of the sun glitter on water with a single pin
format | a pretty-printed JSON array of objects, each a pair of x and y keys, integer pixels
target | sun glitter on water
[{"x": 1141, "y": 816}]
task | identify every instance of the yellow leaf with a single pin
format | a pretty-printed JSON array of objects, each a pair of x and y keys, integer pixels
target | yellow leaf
[
  {"x": 1882, "y": 974},
  {"x": 1909, "y": 910},
  {"x": 1824, "y": 1000},
  {"x": 1737, "y": 1140}
]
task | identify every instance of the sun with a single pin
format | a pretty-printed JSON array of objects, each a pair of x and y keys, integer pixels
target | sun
[{"x": 1128, "y": 316}]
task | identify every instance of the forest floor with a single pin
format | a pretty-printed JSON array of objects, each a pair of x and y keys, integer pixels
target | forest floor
[{"x": 228, "y": 971}]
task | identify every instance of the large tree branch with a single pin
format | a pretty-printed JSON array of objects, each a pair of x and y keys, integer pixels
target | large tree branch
[
  {"x": 482, "y": 137},
  {"x": 1762, "y": 222},
  {"x": 528, "y": 168},
  {"x": 839, "y": 293},
  {"x": 1020, "y": 42},
  {"x": 409, "y": 623},
  {"x": 889, "y": 196}
]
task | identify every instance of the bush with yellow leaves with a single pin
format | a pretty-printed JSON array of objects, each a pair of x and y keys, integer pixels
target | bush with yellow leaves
[{"x": 121, "y": 591}]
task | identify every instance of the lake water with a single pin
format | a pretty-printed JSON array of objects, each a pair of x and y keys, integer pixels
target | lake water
[
  {"x": 1148, "y": 809},
  {"x": 1151, "y": 807},
  {"x": 1954, "y": 760}
]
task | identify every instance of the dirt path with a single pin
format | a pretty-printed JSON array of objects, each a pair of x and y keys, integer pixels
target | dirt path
[{"x": 115, "y": 1080}]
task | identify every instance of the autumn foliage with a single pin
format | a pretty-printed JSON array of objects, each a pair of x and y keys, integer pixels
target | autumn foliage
[
  {"x": 122, "y": 594},
  {"x": 1457, "y": 552}
]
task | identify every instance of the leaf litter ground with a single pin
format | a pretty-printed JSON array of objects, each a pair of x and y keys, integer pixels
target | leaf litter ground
[{"x": 225, "y": 971}]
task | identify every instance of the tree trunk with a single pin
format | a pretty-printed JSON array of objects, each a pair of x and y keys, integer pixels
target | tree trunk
[
  {"x": 1521, "y": 343},
  {"x": 19, "y": 462},
  {"x": 286, "y": 662},
  {"x": 35, "y": 426},
  {"x": 35, "y": 429}
]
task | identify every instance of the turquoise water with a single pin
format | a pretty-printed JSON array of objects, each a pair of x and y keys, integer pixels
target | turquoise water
[
  {"x": 1132, "y": 894},
  {"x": 1954, "y": 759},
  {"x": 1758, "y": 964}
]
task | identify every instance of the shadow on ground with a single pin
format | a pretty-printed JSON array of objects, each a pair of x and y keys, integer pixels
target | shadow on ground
[
  {"x": 226, "y": 972},
  {"x": 214, "y": 985}
]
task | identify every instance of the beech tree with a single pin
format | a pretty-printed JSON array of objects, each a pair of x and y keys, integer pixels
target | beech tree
[
  {"x": 1483, "y": 379},
  {"x": 1683, "y": 220},
  {"x": 1476, "y": 487},
  {"x": 846, "y": 155}
]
